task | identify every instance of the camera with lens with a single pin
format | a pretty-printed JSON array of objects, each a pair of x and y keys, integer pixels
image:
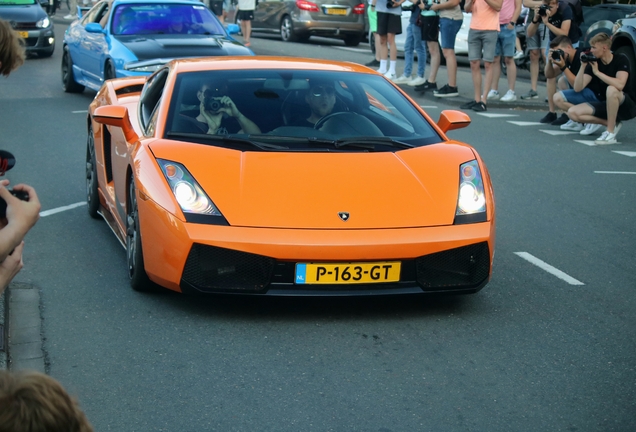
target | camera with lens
[
  {"x": 211, "y": 101},
  {"x": 7, "y": 161},
  {"x": 588, "y": 58},
  {"x": 558, "y": 54},
  {"x": 390, "y": 4},
  {"x": 543, "y": 10}
]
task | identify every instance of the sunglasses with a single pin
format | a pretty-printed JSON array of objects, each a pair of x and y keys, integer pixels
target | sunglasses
[{"x": 322, "y": 90}]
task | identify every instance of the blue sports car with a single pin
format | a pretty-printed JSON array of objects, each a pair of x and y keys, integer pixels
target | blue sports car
[{"x": 124, "y": 38}]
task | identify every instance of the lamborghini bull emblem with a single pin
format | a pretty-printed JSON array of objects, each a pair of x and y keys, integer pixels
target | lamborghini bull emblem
[{"x": 344, "y": 216}]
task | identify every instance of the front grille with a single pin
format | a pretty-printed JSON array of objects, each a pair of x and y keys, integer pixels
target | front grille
[
  {"x": 30, "y": 41},
  {"x": 210, "y": 268},
  {"x": 25, "y": 26},
  {"x": 462, "y": 267}
]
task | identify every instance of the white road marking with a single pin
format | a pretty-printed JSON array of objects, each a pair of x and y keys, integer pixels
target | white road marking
[
  {"x": 586, "y": 142},
  {"x": 614, "y": 172},
  {"x": 361, "y": 50},
  {"x": 625, "y": 153},
  {"x": 557, "y": 132},
  {"x": 494, "y": 115},
  {"x": 61, "y": 209},
  {"x": 80, "y": 112},
  {"x": 547, "y": 267},
  {"x": 524, "y": 123},
  {"x": 428, "y": 106}
]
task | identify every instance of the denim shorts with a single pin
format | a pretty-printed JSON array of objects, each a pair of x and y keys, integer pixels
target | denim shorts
[
  {"x": 481, "y": 45},
  {"x": 584, "y": 96},
  {"x": 449, "y": 29},
  {"x": 506, "y": 42}
]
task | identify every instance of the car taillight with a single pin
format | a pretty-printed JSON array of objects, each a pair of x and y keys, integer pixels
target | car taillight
[
  {"x": 307, "y": 6},
  {"x": 359, "y": 10}
]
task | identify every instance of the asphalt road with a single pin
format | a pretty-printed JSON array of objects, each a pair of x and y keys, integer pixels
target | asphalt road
[{"x": 534, "y": 350}]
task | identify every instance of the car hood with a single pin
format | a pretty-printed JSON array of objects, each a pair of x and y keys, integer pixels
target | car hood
[
  {"x": 147, "y": 48},
  {"x": 22, "y": 13},
  {"x": 409, "y": 188}
]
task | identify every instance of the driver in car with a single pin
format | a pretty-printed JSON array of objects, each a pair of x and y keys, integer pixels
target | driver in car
[{"x": 321, "y": 98}]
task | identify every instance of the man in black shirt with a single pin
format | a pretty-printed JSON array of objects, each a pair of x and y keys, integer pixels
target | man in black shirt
[
  {"x": 565, "y": 60},
  {"x": 606, "y": 76}
]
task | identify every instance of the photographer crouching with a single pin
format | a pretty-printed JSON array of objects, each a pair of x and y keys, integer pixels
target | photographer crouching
[{"x": 606, "y": 75}]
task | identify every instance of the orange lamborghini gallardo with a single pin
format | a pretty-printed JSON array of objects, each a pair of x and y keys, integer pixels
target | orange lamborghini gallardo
[{"x": 280, "y": 176}]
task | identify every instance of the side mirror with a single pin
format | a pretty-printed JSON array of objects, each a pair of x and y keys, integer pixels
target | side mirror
[
  {"x": 94, "y": 28},
  {"x": 116, "y": 115},
  {"x": 233, "y": 29},
  {"x": 451, "y": 119}
]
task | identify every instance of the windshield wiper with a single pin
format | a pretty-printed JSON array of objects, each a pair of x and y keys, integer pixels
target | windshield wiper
[
  {"x": 365, "y": 143},
  {"x": 226, "y": 139}
]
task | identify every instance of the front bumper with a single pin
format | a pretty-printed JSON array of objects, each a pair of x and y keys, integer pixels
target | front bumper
[
  {"x": 197, "y": 258},
  {"x": 40, "y": 40}
]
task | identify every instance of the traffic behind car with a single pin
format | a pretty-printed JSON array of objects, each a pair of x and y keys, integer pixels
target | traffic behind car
[{"x": 32, "y": 24}]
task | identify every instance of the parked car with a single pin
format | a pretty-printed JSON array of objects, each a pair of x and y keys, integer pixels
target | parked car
[
  {"x": 138, "y": 37},
  {"x": 601, "y": 18},
  {"x": 32, "y": 23},
  {"x": 297, "y": 20},
  {"x": 297, "y": 207},
  {"x": 461, "y": 40},
  {"x": 624, "y": 42}
]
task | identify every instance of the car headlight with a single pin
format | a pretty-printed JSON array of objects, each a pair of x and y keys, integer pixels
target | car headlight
[
  {"x": 148, "y": 68},
  {"x": 191, "y": 198},
  {"x": 471, "y": 199},
  {"x": 43, "y": 23}
]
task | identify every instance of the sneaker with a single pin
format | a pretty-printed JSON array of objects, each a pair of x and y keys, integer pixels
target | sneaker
[
  {"x": 468, "y": 105},
  {"x": 390, "y": 76},
  {"x": 617, "y": 127},
  {"x": 606, "y": 138},
  {"x": 426, "y": 86},
  {"x": 70, "y": 17},
  {"x": 373, "y": 63},
  {"x": 510, "y": 96},
  {"x": 530, "y": 95},
  {"x": 492, "y": 94},
  {"x": 479, "y": 106},
  {"x": 518, "y": 55},
  {"x": 401, "y": 79},
  {"x": 548, "y": 118},
  {"x": 382, "y": 72},
  {"x": 571, "y": 125},
  {"x": 446, "y": 91},
  {"x": 418, "y": 80},
  {"x": 563, "y": 119},
  {"x": 590, "y": 129}
]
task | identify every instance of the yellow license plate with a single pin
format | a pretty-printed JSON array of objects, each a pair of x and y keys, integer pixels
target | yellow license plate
[
  {"x": 23, "y": 34},
  {"x": 334, "y": 11},
  {"x": 348, "y": 273}
]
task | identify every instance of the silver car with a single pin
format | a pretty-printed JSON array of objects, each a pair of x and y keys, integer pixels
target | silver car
[{"x": 297, "y": 20}]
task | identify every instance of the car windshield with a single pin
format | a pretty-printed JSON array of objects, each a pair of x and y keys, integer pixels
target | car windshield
[
  {"x": 289, "y": 110},
  {"x": 157, "y": 18},
  {"x": 16, "y": 2}
]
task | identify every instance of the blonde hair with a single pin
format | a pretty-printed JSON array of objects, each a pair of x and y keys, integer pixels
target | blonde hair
[
  {"x": 602, "y": 38},
  {"x": 34, "y": 402},
  {"x": 11, "y": 49}
]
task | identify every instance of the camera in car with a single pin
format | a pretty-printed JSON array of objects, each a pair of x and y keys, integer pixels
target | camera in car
[
  {"x": 211, "y": 101},
  {"x": 588, "y": 58},
  {"x": 558, "y": 54},
  {"x": 543, "y": 10}
]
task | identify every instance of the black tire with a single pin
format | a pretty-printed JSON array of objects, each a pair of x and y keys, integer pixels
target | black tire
[
  {"x": 353, "y": 40},
  {"x": 139, "y": 280},
  {"x": 287, "y": 30},
  {"x": 109, "y": 70},
  {"x": 92, "y": 195},
  {"x": 628, "y": 51},
  {"x": 68, "y": 79}
]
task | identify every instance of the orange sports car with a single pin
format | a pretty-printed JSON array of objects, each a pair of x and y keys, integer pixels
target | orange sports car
[{"x": 281, "y": 176}]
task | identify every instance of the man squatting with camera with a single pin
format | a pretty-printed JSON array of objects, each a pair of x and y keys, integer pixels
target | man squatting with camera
[
  {"x": 20, "y": 215},
  {"x": 600, "y": 83}
]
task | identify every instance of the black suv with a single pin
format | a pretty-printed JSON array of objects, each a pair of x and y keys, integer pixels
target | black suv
[{"x": 624, "y": 42}]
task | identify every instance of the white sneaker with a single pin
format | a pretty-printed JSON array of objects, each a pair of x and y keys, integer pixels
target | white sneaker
[
  {"x": 70, "y": 17},
  {"x": 510, "y": 96},
  {"x": 617, "y": 127},
  {"x": 590, "y": 128},
  {"x": 402, "y": 79},
  {"x": 416, "y": 81},
  {"x": 391, "y": 76},
  {"x": 571, "y": 125},
  {"x": 493, "y": 94},
  {"x": 606, "y": 138},
  {"x": 518, "y": 55},
  {"x": 380, "y": 71}
]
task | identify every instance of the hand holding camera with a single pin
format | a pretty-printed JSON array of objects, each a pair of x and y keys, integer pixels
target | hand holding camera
[
  {"x": 587, "y": 57},
  {"x": 543, "y": 10}
]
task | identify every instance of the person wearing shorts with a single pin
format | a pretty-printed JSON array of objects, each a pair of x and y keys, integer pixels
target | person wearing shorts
[
  {"x": 216, "y": 6},
  {"x": 246, "y": 16},
  {"x": 482, "y": 42},
  {"x": 389, "y": 25},
  {"x": 430, "y": 34},
  {"x": 536, "y": 46},
  {"x": 508, "y": 15},
  {"x": 372, "y": 15},
  {"x": 450, "y": 21}
]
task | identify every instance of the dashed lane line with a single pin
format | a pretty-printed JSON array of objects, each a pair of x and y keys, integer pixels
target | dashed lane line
[
  {"x": 428, "y": 106},
  {"x": 557, "y": 132},
  {"x": 495, "y": 115},
  {"x": 586, "y": 142},
  {"x": 614, "y": 172},
  {"x": 524, "y": 123},
  {"x": 625, "y": 153},
  {"x": 61, "y": 209},
  {"x": 548, "y": 268},
  {"x": 80, "y": 112}
]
